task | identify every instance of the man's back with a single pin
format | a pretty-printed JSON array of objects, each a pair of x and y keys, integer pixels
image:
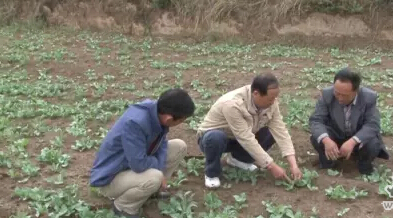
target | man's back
[
  {"x": 112, "y": 156},
  {"x": 215, "y": 118}
]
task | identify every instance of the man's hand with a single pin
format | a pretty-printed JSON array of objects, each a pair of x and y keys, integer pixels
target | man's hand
[
  {"x": 164, "y": 185},
  {"x": 347, "y": 148},
  {"x": 331, "y": 149},
  {"x": 296, "y": 173},
  {"x": 278, "y": 172}
]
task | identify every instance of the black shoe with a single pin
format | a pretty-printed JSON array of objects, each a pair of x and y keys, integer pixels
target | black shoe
[
  {"x": 122, "y": 213},
  {"x": 365, "y": 168},
  {"x": 161, "y": 195}
]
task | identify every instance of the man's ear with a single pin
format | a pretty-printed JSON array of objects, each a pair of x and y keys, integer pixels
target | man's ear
[{"x": 167, "y": 118}]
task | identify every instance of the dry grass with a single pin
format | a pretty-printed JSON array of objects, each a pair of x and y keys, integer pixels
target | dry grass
[
  {"x": 255, "y": 11},
  {"x": 8, "y": 11},
  {"x": 255, "y": 14}
]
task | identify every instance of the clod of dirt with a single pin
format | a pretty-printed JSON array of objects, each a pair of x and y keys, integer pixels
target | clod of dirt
[{"x": 318, "y": 24}]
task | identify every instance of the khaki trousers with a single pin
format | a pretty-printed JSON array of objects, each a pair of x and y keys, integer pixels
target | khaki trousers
[{"x": 131, "y": 190}]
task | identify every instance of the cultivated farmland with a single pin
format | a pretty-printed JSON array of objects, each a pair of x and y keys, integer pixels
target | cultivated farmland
[{"x": 61, "y": 90}]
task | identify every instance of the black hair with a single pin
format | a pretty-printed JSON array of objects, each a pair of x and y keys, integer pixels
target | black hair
[
  {"x": 264, "y": 82},
  {"x": 346, "y": 75},
  {"x": 177, "y": 103}
]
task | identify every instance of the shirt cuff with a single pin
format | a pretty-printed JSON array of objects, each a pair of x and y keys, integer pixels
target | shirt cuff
[
  {"x": 323, "y": 135},
  {"x": 357, "y": 139}
]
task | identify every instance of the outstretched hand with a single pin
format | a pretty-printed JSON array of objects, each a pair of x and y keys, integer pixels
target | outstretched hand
[
  {"x": 296, "y": 173},
  {"x": 164, "y": 185},
  {"x": 278, "y": 172}
]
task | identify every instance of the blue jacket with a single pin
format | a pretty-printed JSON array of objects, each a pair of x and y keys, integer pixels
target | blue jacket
[{"x": 126, "y": 144}]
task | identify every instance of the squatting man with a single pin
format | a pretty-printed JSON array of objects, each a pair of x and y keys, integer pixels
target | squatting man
[
  {"x": 245, "y": 123},
  {"x": 135, "y": 158},
  {"x": 346, "y": 123}
]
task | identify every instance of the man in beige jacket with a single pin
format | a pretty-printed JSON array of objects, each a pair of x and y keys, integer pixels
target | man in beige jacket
[{"x": 246, "y": 122}]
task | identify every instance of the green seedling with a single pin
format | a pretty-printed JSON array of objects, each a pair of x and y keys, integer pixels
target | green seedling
[
  {"x": 216, "y": 209},
  {"x": 57, "y": 179},
  {"x": 181, "y": 177},
  {"x": 194, "y": 165},
  {"x": 237, "y": 175},
  {"x": 282, "y": 211},
  {"x": 180, "y": 205},
  {"x": 385, "y": 187},
  {"x": 212, "y": 202},
  {"x": 343, "y": 211},
  {"x": 380, "y": 173},
  {"x": 339, "y": 193},
  {"x": 307, "y": 180},
  {"x": 85, "y": 143},
  {"x": 63, "y": 202},
  {"x": 240, "y": 201},
  {"x": 333, "y": 172},
  {"x": 54, "y": 157}
]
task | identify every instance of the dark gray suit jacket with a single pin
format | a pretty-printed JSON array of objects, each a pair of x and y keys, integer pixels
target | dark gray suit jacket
[{"x": 365, "y": 117}]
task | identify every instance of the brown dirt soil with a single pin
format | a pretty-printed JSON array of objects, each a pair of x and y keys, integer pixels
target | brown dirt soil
[{"x": 302, "y": 199}]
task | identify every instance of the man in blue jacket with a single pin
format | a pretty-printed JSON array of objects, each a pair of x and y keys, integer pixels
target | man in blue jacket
[{"x": 135, "y": 158}]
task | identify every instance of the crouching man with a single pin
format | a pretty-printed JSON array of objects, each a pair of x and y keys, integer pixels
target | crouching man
[
  {"x": 135, "y": 159},
  {"x": 346, "y": 122},
  {"x": 245, "y": 123}
]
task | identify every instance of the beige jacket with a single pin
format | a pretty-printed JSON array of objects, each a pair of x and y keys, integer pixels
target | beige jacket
[{"x": 236, "y": 115}]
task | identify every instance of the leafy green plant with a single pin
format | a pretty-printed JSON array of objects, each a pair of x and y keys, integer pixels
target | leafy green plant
[
  {"x": 216, "y": 209},
  {"x": 332, "y": 172},
  {"x": 343, "y": 211},
  {"x": 85, "y": 143},
  {"x": 237, "y": 175},
  {"x": 380, "y": 173},
  {"x": 339, "y": 193},
  {"x": 240, "y": 201},
  {"x": 180, "y": 206},
  {"x": 194, "y": 165},
  {"x": 307, "y": 180},
  {"x": 54, "y": 157},
  {"x": 281, "y": 210},
  {"x": 181, "y": 177},
  {"x": 63, "y": 202},
  {"x": 212, "y": 202},
  {"x": 385, "y": 183}
]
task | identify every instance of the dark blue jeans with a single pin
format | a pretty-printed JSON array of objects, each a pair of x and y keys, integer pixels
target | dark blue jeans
[{"x": 214, "y": 143}]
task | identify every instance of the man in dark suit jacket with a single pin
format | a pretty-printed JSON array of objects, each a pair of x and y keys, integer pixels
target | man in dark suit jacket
[{"x": 346, "y": 121}]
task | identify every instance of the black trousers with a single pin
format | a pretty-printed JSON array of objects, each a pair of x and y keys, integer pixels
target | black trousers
[
  {"x": 215, "y": 142},
  {"x": 365, "y": 155}
]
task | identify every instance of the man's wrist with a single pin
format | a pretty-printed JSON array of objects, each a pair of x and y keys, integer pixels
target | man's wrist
[
  {"x": 292, "y": 160},
  {"x": 356, "y": 139},
  {"x": 354, "y": 142},
  {"x": 270, "y": 166},
  {"x": 325, "y": 140}
]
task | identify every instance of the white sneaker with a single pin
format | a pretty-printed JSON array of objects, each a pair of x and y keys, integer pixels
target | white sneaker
[
  {"x": 236, "y": 163},
  {"x": 212, "y": 182}
]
